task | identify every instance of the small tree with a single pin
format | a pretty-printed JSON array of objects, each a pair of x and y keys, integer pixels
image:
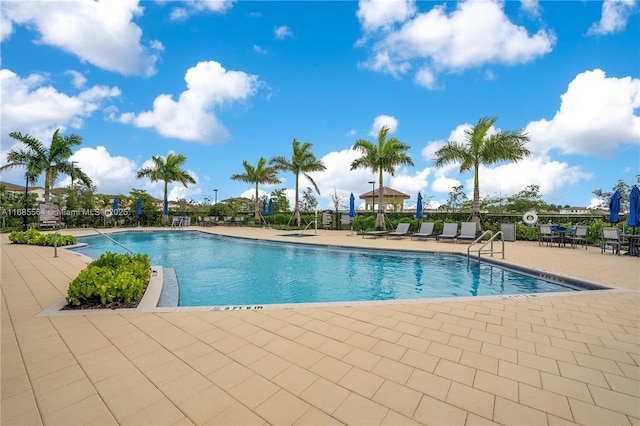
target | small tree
[
  {"x": 280, "y": 201},
  {"x": 527, "y": 199},
  {"x": 456, "y": 197},
  {"x": 309, "y": 202}
]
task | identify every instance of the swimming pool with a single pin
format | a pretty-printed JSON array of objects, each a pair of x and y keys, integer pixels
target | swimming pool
[{"x": 214, "y": 270}]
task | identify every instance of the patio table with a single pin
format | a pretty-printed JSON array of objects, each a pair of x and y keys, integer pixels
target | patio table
[
  {"x": 634, "y": 243},
  {"x": 562, "y": 231}
]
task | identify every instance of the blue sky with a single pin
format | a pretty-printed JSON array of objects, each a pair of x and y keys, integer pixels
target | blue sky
[{"x": 226, "y": 81}]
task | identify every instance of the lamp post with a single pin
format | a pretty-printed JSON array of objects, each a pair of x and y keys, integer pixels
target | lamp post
[
  {"x": 373, "y": 196},
  {"x": 215, "y": 200}
]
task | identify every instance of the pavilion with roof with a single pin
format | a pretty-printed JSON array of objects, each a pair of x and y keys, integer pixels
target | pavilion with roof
[{"x": 392, "y": 200}]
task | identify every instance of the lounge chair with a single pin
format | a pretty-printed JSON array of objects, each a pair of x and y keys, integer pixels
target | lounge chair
[
  {"x": 374, "y": 234},
  {"x": 580, "y": 236},
  {"x": 449, "y": 232},
  {"x": 401, "y": 230},
  {"x": 426, "y": 231},
  {"x": 545, "y": 234},
  {"x": 468, "y": 231}
]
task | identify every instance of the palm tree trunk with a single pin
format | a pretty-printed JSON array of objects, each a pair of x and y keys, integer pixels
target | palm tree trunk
[
  {"x": 475, "y": 212},
  {"x": 257, "y": 208},
  {"x": 380, "y": 226},
  {"x": 26, "y": 204},
  {"x": 165, "y": 217},
  {"x": 297, "y": 206}
]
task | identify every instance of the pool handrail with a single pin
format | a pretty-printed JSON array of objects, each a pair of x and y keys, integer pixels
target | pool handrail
[
  {"x": 489, "y": 241},
  {"x": 55, "y": 241}
]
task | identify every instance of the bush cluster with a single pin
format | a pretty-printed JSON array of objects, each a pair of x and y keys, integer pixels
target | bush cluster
[
  {"x": 34, "y": 237},
  {"x": 111, "y": 278}
]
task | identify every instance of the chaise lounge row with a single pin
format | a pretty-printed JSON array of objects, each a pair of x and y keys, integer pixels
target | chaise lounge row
[{"x": 449, "y": 232}]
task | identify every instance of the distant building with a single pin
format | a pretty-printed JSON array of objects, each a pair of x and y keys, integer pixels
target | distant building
[{"x": 574, "y": 210}]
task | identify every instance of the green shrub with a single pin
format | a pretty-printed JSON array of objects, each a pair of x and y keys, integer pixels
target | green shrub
[
  {"x": 34, "y": 237},
  {"x": 111, "y": 278}
]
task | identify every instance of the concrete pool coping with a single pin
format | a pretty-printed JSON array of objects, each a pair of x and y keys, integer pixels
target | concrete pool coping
[{"x": 544, "y": 360}]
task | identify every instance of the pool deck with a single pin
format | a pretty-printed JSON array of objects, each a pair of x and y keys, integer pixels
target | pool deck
[{"x": 551, "y": 359}]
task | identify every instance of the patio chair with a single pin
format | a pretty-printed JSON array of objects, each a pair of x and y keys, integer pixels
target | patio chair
[
  {"x": 449, "y": 232},
  {"x": 401, "y": 230},
  {"x": 345, "y": 219},
  {"x": 467, "y": 231},
  {"x": 611, "y": 240},
  {"x": 580, "y": 236},
  {"x": 426, "y": 231},
  {"x": 545, "y": 234}
]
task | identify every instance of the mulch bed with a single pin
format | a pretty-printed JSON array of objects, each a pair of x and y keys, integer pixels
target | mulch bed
[{"x": 95, "y": 304}]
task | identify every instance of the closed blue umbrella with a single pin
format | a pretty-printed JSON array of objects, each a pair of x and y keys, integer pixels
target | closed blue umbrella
[
  {"x": 419, "y": 206},
  {"x": 352, "y": 206},
  {"x": 634, "y": 208},
  {"x": 270, "y": 211},
  {"x": 116, "y": 203},
  {"x": 614, "y": 207},
  {"x": 139, "y": 206}
]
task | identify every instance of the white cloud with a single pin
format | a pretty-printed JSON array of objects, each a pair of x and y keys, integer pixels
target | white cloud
[
  {"x": 443, "y": 185},
  {"x": 552, "y": 176},
  {"x": 192, "y": 117},
  {"x": 384, "y": 120},
  {"x": 193, "y": 7},
  {"x": 615, "y": 14},
  {"x": 282, "y": 31},
  {"x": 474, "y": 34},
  {"x": 78, "y": 79},
  {"x": 376, "y": 14},
  {"x": 597, "y": 114},
  {"x": 110, "y": 174},
  {"x": 99, "y": 32},
  {"x": 532, "y": 7},
  {"x": 425, "y": 78},
  {"x": 31, "y": 106},
  {"x": 259, "y": 49}
]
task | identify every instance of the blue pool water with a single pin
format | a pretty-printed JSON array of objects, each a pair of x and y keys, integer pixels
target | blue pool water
[{"x": 220, "y": 271}]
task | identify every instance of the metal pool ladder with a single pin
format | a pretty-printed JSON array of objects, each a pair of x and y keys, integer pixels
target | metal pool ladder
[
  {"x": 55, "y": 241},
  {"x": 482, "y": 248}
]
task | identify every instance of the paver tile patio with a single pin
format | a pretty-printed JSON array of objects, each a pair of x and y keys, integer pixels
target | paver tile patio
[{"x": 559, "y": 359}]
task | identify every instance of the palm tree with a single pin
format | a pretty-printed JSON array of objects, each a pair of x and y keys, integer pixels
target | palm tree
[
  {"x": 260, "y": 174},
  {"x": 36, "y": 159},
  {"x": 302, "y": 161},
  {"x": 51, "y": 161},
  {"x": 383, "y": 157},
  {"x": 478, "y": 148},
  {"x": 167, "y": 170}
]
